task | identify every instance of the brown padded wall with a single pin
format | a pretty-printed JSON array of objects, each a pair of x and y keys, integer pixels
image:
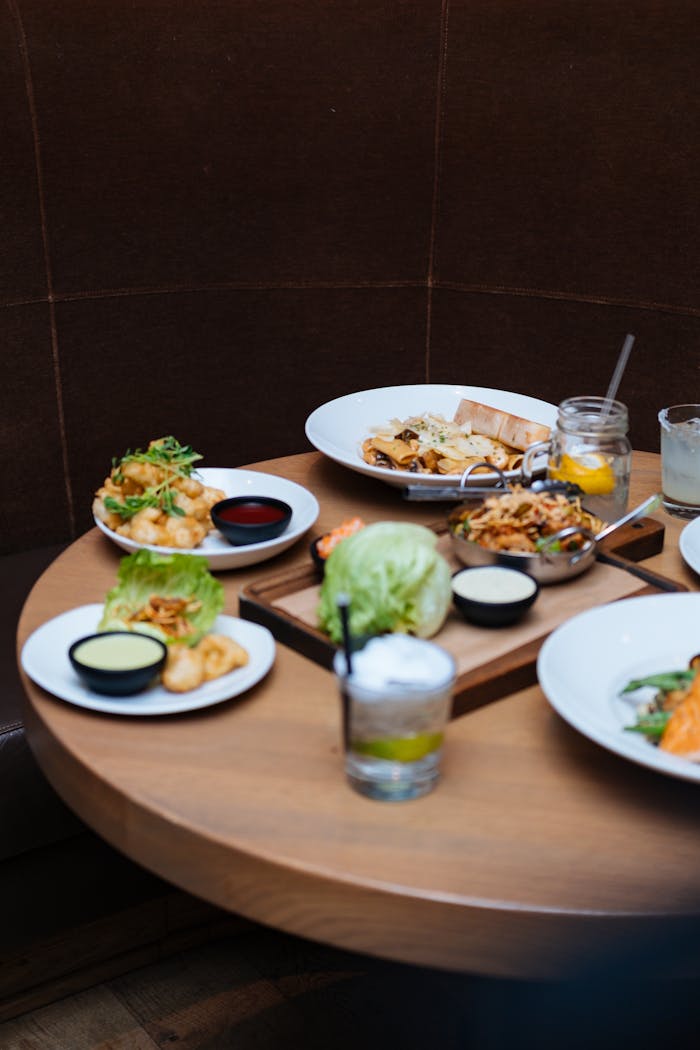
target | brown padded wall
[
  {"x": 222, "y": 215},
  {"x": 570, "y": 201}
]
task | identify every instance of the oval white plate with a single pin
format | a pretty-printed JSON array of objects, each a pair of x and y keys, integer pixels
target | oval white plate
[
  {"x": 586, "y": 662},
  {"x": 45, "y": 660},
  {"x": 689, "y": 544},
  {"x": 219, "y": 553},
  {"x": 339, "y": 427}
]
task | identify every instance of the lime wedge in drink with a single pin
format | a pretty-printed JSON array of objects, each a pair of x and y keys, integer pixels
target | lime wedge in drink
[{"x": 400, "y": 749}]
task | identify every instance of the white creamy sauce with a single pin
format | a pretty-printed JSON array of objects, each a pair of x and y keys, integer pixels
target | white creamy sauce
[
  {"x": 493, "y": 583},
  {"x": 118, "y": 652}
]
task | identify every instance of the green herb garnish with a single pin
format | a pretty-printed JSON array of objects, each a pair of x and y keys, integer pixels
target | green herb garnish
[
  {"x": 666, "y": 681},
  {"x": 542, "y": 544},
  {"x": 170, "y": 456},
  {"x": 651, "y": 725}
]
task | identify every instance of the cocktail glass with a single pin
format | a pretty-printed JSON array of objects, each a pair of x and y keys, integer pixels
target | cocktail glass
[{"x": 397, "y": 702}]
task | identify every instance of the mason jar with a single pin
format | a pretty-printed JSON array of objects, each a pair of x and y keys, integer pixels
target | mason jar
[{"x": 589, "y": 447}]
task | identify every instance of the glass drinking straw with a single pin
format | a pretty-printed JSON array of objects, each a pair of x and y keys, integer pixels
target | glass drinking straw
[{"x": 617, "y": 374}]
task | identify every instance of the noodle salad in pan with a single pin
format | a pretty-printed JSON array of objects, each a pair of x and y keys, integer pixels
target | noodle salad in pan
[{"x": 522, "y": 520}]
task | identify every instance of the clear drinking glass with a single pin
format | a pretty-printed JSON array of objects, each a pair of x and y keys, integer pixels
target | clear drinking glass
[
  {"x": 589, "y": 447},
  {"x": 396, "y": 704},
  {"x": 680, "y": 459}
]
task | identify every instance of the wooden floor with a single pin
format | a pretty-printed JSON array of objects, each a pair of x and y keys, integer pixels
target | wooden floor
[{"x": 265, "y": 991}]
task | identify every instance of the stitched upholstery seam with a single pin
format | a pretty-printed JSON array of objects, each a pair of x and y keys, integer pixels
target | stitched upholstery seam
[
  {"x": 454, "y": 286},
  {"x": 41, "y": 200},
  {"x": 435, "y": 206}
]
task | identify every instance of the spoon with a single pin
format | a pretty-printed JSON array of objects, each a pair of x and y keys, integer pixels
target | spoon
[
  {"x": 650, "y": 504},
  {"x": 650, "y": 577}
]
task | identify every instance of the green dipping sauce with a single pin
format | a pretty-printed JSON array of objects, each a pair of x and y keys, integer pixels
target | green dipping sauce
[{"x": 118, "y": 652}]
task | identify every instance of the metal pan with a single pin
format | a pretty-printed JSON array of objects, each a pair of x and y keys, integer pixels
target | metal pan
[{"x": 547, "y": 565}]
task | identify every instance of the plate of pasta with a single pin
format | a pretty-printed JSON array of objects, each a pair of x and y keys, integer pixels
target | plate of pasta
[{"x": 430, "y": 433}]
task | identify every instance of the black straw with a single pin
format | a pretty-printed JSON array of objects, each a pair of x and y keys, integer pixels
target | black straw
[{"x": 343, "y": 603}]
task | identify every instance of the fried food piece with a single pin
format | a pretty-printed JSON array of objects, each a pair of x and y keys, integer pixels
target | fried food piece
[
  {"x": 147, "y": 491},
  {"x": 215, "y": 655},
  {"x": 189, "y": 486},
  {"x": 110, "y": 519},
  {"x": 152, "y": 526},
  {"x": 220, "y": 655},
  {"x": 170, "y": 614},
  {"x": 193, "y": 506},
  {"x": 211, "y": 495},
  {"x": 184, "y": 669},
  {"x": 144, "y": 526},
  {"x": 682, "y": 734},
  {"x": 179, "y": 532},
  {"x": 143, "y": 474}
]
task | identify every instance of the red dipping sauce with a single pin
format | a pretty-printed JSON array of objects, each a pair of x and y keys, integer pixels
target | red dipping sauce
[{"x": 251, "y": 513}]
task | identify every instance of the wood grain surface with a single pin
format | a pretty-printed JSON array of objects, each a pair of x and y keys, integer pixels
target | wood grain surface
[
  {"x": 538, "y": 854},
  {"x": 489, "y": 663}
]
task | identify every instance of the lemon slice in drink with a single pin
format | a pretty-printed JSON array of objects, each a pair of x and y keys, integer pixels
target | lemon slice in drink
[
  {"x": 590, "y": 470},
  {"x": 400, "y": 749}
]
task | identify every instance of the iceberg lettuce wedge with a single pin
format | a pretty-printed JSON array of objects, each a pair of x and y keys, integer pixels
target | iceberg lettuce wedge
[{"x": 395, "y": 578}]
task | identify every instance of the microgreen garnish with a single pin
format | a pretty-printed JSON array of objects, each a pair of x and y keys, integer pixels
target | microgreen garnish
[{"x": 176, "y": 460}]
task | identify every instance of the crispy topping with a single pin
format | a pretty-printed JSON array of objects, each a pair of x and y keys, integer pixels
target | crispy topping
[
  {"x": 520, "y": 520},
  {"x": 170, "y": 614}
]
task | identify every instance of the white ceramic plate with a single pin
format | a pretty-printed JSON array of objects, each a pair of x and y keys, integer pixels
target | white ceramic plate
[
  {"x": 45, "y": 660},
  {"x": 219, "y": 553},
  {"x": 587, "y": 661},
  {"x": 339, "y": 427},
  {"x": 690, "y": 545}
]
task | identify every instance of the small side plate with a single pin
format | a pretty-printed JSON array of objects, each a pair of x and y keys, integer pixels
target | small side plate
[{"x": 45, "y": 660}]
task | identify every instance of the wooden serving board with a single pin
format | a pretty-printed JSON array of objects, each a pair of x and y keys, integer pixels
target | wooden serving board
[{"x": 491, "y": 662}]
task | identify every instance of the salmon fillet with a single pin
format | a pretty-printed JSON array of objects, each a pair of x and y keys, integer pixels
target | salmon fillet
[{"x": 682, "y": 734}]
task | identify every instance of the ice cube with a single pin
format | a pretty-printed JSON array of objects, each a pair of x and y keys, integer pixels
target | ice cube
[{"x": 691, "y": 426}]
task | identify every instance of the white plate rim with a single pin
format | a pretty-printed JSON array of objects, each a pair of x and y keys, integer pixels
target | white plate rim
[
  {"x": 627, "y": 615},
  {"x": 68, "y": 626},
  {"x": 689, "y": 544},
  {"x": 545, "y": 413},
  {"x": 224, "y": 555}
]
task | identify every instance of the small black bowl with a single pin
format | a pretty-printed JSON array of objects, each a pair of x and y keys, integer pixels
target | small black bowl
[
  {"x": 251, "y": 519},
  {"x": 484, "y": 599},
  {"x": 118, "y": 681},
  {"x": 319, "y": 562}
]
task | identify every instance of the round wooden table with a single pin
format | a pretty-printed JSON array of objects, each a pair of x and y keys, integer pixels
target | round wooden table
[{"x": 537, "y": 852}]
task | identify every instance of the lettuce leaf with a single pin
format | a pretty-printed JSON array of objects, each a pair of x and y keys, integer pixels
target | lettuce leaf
[
  {"x": 169, "y": 576},
  {"x": 394, "y": 577}
]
